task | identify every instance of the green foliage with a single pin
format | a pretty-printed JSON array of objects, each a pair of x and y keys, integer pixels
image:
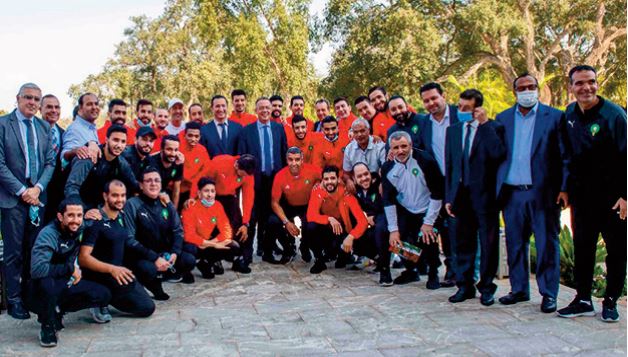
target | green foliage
[{"x": 567, "y": 263}]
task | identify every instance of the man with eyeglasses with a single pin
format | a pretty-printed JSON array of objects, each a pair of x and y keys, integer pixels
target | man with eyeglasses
[
  {"x": 532, "y": 185},
  {"x": 27, "y": 161}
]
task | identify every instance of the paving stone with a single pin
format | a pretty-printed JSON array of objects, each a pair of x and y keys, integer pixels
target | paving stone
[
  {"x": 287, "y": 347},
  {"x": 525, "y": 346}
]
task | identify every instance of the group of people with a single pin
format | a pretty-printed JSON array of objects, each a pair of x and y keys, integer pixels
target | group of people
[{"x": 94, "y": 217}]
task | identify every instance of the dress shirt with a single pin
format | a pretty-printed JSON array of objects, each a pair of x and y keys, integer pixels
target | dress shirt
[
  {"x": 520, "y": 171},
  {"x": 79, "y": 133},
  {"x": 373, "y": 156},
  {"x": 260, "y": 130},
  {"x": 439, "y": 131}
]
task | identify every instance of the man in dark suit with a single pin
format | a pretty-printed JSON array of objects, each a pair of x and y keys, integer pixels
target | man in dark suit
[
  {"x": 220, "y": 136},
  {"x": 27, "y": 161},
  {"x": 266, "y": 141},
  {"x": 474, "y": 149},
  {"x": 531, "y": 185},
  {"x": 50, "y": 112}
]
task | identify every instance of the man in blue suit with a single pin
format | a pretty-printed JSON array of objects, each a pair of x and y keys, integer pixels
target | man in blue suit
[
  {"x": 432, "y": 132},
  {"x": 474, "y": 149},
  {"x": 266, "y": 141},
  {"x": 531, "y": 184},
  {"x": 220, "y": 136},
  {"x": 27, "y": 161},
  {"x": 50, "y": 112}
]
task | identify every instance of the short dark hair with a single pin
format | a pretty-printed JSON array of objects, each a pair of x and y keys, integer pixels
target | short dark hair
[
  {"x": 430, "y": 86},
  {"x": 195, "y": 105},
  {"x": 75, "y": 112},
  {"x": 238, "y": 92},
  {"x": 322, "y": 100},
  {"x": 474, "y": 94},
  {"x": 247, "y": 163},
  {"x": 192, "y": 125},
  {"x": 204, "y": 181},
  {"x": 340, "y": 99},
  {"x": 328, "y": 119},
  {"x": 48, "y": 96},
  {"x": 379, "y": 88},
  {"x": 361, "y": 99},
  {"x": 80, "y": 100},
  {"x": 295, "y": 98},
  {"x": 360, "y": 163},
  {"x": 115, "y": 182},
  {"x": 168, "y": 138},
  {"x": 580, "y": 68},
  {"x": 218, "y": 96},
  {"x": 260, "y": 99},
  {"x": 114, "y": 102},
  {"x": 524, "y": 74},
  {"x": 298, "y": 118},
  {"x": 115, "y": 128},
  {"x": 147, "y": 170},
  {"x": 294, "y": 150},
  {"x": 276, "y": 97},
  {"x": 397, "y": 96},
  {"x": 141, "y": 103},
  {"x": 74, "y": 200},
  {"x": 331, "y": 168}
]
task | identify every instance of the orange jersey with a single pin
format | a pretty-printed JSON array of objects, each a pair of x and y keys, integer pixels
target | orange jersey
[
  {"x": 199, "y": 223},
  {"x": 339, "y": 205},
  {"x": 243, "y": 119},
  {"x": 296, "y": 189},
  {"x": 344, "y": 125},
  {"x": 381, "y": 123},
  {"x": 195, "y": 165},
  {"x": 307, "y": 145},
  {"x": 330, "y": 153},
  {"x": 222, "y": 170},
  {"x": 102, "y": 133},
  {"x": 160, "y": 134},
  {"x": 309, "y": 123}
]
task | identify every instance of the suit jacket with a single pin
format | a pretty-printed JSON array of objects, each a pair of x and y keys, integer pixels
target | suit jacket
[
  {"x": 13, "y": 164},
  {"x": 250, "y": 143},
  {"x": 425, "y": 129},
  {"x": 548, "y": 159},
  {"x": 487, "y": 152},
  {"x": 211, "y": 140}
]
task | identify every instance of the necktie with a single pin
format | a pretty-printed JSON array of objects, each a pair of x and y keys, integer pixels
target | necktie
[
  {"x": 30, "y": 149},
  {"x": 223, "y": 134},
  {"x": 465, "y": 155},
  {"x": 55, "y": 139},
  {"x": 267, "y": 156}
]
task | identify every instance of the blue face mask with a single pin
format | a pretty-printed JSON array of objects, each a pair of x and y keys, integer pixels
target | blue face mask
[
  {"x": 207, "y": 203},
  {"x": 465, "y": 116}
]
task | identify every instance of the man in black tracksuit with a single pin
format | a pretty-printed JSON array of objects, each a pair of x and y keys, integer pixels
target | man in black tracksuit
[
  {"x": 159, "y": 229},
  {"x": 138, "y": 155},
  {"x": 88, "y": 179},
  {"x": 595, "y": 132},
  {"x": 102, "y": 255},
  {"x": 56, "y": 286}
]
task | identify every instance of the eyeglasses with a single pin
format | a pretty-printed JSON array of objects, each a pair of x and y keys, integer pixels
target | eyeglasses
[
  {"x": 153, "y": 181},
  {"x": 30, "y": 97}
]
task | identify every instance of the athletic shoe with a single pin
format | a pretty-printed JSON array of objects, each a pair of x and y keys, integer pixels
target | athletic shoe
[
  {"x": 100, "y": 315},
  {"x": 384, "y": 278},
  {"x": 577, "y": 308},
  {"x": 187, "y": 278},
  {"x": 318, "y": 267},
  {"x": 172, "y": 277},
  {"x": 47, "y": 336},
  {"x": 217, "y": 268},
  {"x": 609, "y": 311},
  {"x": 407, "y": 276}
]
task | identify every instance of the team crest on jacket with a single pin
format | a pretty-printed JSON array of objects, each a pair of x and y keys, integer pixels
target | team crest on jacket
[
  {"x": 197, "y": 160},
  {"x": 239, "y": 179},
  {"x": 214, "y": 219},
  {"x": 373, "y": 196},
  {"x": 415, "y": 128},
  {"x": 307, "y": 181},
  {"x": 287, "y": 187},
  {"x": 415, "y": 171},
  {"x": 174, "y": 172},
  {"x": 595, "y": 129},
  {"x": 164, "y": 213},
  {"x": 311, "y": 147}
]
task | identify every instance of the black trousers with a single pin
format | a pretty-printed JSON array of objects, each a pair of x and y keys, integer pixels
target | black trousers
[
  {"x": 374, "y": 243},
  {"x": 409, "y": 225},
  {"x": 231, "y": 204},
  {"x": 324, "y": 243},
  {"x": 131, "y": 299},
  {"x": 261, "y": 213},
  {"x": 18, "y": 235},
  {"x": 46, "y": 294},
  {"x": 146, "y": 272},
  {"x": 446, "y": 226},
  {"x": 472, "y": 224},
  {"x": 212, "y": 255},
  {"x": 277, "y": 231},
  {"x": 590, "y": 217}
]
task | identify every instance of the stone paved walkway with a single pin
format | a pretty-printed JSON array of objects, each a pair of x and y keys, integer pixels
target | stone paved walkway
[{"x": 286, "y": 311}]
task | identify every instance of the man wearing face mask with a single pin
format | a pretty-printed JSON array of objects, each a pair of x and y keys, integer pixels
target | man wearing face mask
[
  {"x": 531, "y": 186},
  {"x": 117, "y": 115},
  {"x": 595, "y": 129},
  {"x": 474, "y": 149}
]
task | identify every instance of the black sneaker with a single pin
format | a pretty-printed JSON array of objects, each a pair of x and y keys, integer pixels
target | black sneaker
[
  {"x": 170, "y": 277},
  {"x": 384, "y": 278},
  {"x": 305, "y": 254},
  {"x": 286, "y": 258},
  {"x": 240, "y": 267},
  {"x": 205, "y": 269},
  {"x": 407, "y": 276},
  {"x": 270, "y": 259},
  {"x": 218, "y": 269},
  {"x": 187, "y": 278},
  {"x": 433, "y": 282},
  {"x": 609, "y": 310},
  {"x": 58, "y": 324},
  {"x": 318, "y": 267},
  {"x": 157, "y": 290},
  {"x": 577, "y": 308},
  {"x": 47, "y": 336}
]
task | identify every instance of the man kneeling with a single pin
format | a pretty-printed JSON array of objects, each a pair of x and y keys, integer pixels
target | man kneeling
[
  {"x": 56, "y": 286},
  {"x": 330, "y": 215},
  {"x": 102, "y": 254},
  {"x": 207, "y": 231}
]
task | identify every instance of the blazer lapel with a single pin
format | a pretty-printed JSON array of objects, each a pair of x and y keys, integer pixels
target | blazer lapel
[
  {"x": 539, "y": 128},
  {"x": 213, "y": 132},
  {"x": 16, "y": 129},
  {"x": 509, "y": 128}
]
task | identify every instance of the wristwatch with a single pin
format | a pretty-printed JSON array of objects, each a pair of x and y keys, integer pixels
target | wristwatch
[{"x": 285, "y": 221}]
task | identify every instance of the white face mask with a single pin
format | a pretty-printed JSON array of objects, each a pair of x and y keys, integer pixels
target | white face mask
[{"x": 528, "y": 98}]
